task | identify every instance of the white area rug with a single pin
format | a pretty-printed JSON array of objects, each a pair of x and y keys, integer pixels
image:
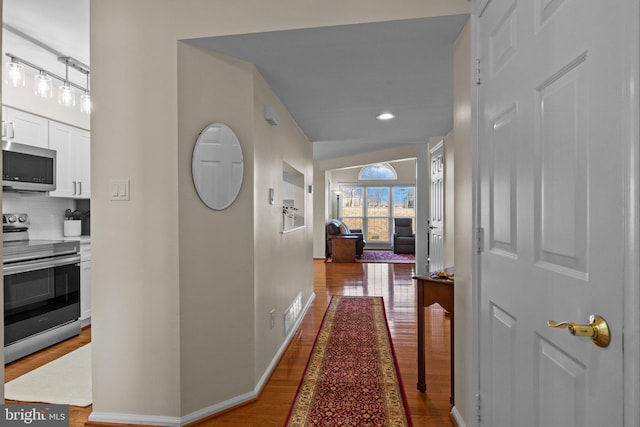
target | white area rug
[{"x": 66, "y": 380}]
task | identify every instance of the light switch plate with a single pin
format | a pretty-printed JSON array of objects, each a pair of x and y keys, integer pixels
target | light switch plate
[{"x": 119, "y": 189}]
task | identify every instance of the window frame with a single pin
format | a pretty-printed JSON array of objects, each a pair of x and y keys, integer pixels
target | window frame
[
  {"x": 382, "y": 165},
  {"x": 364, "y": 200}
]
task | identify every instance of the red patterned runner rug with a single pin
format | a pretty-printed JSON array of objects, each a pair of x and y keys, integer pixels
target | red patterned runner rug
[{"x": 352, "y": 378}]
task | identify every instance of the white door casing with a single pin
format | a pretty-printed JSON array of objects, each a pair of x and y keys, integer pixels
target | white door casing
[
  {"x": 555, "y": 109},
  {"x": 436, "y": 207}
]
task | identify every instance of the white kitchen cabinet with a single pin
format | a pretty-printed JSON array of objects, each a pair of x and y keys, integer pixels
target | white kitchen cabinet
[
  {"x": 73, "y": 170},
  {"x": 24, "y": 128},
  {"x": 85, "y": 283}
]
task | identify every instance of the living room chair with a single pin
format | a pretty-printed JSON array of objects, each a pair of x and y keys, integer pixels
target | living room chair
[
  {"x": 404, "y": 240},
  {"x": 338, "y": 228}
]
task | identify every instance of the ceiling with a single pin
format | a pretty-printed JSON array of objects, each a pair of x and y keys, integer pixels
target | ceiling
[
  {"x": 41, "y": 30},
  {"x": 333, "y": 80}
]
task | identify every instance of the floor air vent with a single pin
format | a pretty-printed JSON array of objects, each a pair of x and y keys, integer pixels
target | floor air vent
[{"x": 292, "y": 313}]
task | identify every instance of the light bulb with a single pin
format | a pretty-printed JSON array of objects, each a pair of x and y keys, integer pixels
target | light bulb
[
  {"x": 85, "y": 103},
  {"x": 385, "y": 116},
  {"x": 66, "y": 95},
  {"x": 15, "y": 74},
  {"x": 43, "y": 85}
]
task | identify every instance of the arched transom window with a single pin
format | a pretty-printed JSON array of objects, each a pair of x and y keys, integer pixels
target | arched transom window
[{"x": 378, "y": 171}]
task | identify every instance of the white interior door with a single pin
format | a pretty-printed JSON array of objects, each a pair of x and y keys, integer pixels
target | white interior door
[
  {"x": 553, "y": 107},
  {"x": 436, "y": 208}
]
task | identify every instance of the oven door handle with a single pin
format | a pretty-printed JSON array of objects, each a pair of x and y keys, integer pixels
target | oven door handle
[{"x": 39, "y": 264}]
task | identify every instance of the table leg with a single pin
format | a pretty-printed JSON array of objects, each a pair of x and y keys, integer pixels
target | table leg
[
  {"x": 451, "y": 400},
  {"x": 422, "y": 382}
]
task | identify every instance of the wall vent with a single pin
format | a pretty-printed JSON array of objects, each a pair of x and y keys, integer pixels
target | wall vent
[{"x": 292, "y": 313}]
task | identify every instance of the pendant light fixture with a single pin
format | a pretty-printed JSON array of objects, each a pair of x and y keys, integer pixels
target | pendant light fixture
[
  {"x": 66, "y": 94},
  {"x": 43, "y": 81},
  {"x": 43, "y": 84},
  {"x": 15, "y": 73},
  {"x": 85, "y": 99}
]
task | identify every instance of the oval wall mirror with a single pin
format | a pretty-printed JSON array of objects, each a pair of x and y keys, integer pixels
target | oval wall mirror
[{"x": 217, "y": 166}]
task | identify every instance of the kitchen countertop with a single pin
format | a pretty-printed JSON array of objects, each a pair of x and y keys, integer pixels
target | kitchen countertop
[{"x": 82, "y": 239}]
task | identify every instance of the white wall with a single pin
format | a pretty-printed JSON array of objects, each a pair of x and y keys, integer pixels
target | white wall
[
  {"x": 216, "y": 297},
  {"x": 219, "y": 297},
  {"x": 449, "y": 198},
  {"x": 283, "y": 261},
  {"x": 138, "y": 249},
  {"x": 463, "y": 217},
  {"x": 135, "y": 244}
]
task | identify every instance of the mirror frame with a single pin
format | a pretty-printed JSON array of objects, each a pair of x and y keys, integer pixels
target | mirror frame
[{"x": 229, "y": 187}]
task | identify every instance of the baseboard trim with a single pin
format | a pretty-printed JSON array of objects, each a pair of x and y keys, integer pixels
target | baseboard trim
[
  {"x": 219, "y": 408},
  {"x": 147, "y": 420},
  {"x": 213, "y": 410},
  {"x": 457, "y": 418},
  {"x": 227, "y": 405}
]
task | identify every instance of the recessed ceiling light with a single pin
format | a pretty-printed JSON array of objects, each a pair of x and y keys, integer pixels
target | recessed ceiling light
[{"x": 385, "y": 116}]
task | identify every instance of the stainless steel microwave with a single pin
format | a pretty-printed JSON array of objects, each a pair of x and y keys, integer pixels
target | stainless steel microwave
[{"x": 28, "y": 168}]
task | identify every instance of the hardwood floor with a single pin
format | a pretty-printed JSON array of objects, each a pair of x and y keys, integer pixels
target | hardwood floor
[
  {"x": 391, "y": 281},
  {"x": 78, "y": 416}
]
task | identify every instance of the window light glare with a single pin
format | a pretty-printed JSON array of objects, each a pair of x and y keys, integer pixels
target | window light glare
[{"x": 385, "y": 116}]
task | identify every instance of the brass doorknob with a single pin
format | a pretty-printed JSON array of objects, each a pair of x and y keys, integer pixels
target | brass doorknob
[{"x": 597, "y": 329}]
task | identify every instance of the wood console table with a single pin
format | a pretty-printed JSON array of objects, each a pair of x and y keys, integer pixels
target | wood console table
[
  {"x": 430, "y": 291},
  {"x": 343, "y": 248}
]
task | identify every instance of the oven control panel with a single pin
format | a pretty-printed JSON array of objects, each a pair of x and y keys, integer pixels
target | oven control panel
[{"x": 15, "y": 221}]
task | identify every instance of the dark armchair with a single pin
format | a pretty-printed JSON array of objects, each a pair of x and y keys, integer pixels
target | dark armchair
[
  {"x": 338, "y": 228},
  {"x": 404, "y": 240}
]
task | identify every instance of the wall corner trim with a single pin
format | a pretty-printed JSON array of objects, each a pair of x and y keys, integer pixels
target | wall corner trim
[{"x": 457, "y": 417}]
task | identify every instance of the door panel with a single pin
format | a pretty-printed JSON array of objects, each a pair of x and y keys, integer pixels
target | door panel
[
  {"x": 503, "y": 338},
  {"x": 552, "y": 110},
  {"x": 562, "y": 181},
  {"x": 561, "y": 387},
  {"x": 503, "y": 188},
  {"x": 436, "y": 208}
]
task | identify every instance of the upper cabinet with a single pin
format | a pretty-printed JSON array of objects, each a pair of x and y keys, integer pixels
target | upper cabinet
[
  {"x": 73, "y": 147},
  {"x": 24, "y": 128}
]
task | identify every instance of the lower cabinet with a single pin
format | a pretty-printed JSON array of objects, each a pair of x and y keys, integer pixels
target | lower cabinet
[{"x": 85, "y": 283}]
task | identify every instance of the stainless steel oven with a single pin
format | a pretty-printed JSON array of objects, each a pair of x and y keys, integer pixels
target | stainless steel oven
[{"x": 41, "y": 290}]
